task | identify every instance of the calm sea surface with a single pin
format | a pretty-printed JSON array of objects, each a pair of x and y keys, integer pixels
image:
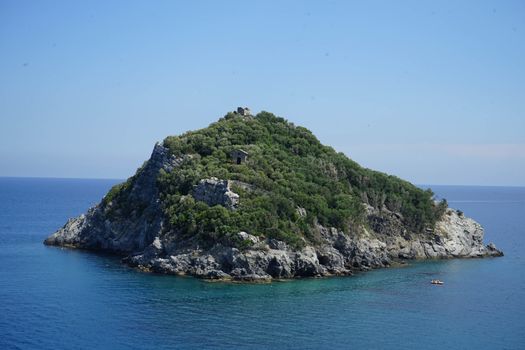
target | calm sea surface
[{"x": 52, "y": 298}]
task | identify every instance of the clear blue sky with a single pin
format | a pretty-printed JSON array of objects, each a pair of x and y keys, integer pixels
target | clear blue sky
[{"x": 431, "y": 91}]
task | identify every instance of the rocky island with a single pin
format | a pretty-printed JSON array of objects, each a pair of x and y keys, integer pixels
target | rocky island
[{"x": 256, "y": 198}]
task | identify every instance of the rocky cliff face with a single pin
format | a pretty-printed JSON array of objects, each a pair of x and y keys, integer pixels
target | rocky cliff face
[
  {"x": 336, "y": 253},
  {"x": 216, "y": 192},
  {"x": 122, "y": 230},
  {"x": 139, "y": 233}
]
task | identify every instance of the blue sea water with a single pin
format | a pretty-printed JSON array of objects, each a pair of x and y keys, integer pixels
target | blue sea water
[{"x": 53, "y": 298}]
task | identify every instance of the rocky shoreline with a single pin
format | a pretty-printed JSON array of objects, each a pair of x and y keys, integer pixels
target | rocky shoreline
[{"x": 141, "y": 236}]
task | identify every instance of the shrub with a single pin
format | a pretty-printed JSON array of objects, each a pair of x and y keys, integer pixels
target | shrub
[{"x": 289, "y": 168}]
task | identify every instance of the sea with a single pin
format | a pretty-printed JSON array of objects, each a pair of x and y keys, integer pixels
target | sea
[{"x": 55, "y": 298}]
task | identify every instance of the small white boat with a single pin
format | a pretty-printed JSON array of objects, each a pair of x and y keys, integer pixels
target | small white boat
[{"x": 437, "y": 282}]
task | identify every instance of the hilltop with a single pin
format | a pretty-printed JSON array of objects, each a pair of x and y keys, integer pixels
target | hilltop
[{"x": 257, "y": 197}]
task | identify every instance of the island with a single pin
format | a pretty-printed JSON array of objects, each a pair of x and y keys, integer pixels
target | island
[{"x": 257, "y": 198}]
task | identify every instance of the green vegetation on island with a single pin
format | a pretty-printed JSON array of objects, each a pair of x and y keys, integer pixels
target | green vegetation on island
[{"x": 287, "y": 169}]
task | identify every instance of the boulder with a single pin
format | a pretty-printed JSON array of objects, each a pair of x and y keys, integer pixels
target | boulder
[{"x": 213, "y": 191}]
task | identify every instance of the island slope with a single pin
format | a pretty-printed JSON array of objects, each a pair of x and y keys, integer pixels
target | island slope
[{"x": 257, "y": 198}]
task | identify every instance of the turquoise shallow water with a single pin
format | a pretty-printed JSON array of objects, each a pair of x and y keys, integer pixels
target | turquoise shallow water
[{"x": 52, "y": 298}]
